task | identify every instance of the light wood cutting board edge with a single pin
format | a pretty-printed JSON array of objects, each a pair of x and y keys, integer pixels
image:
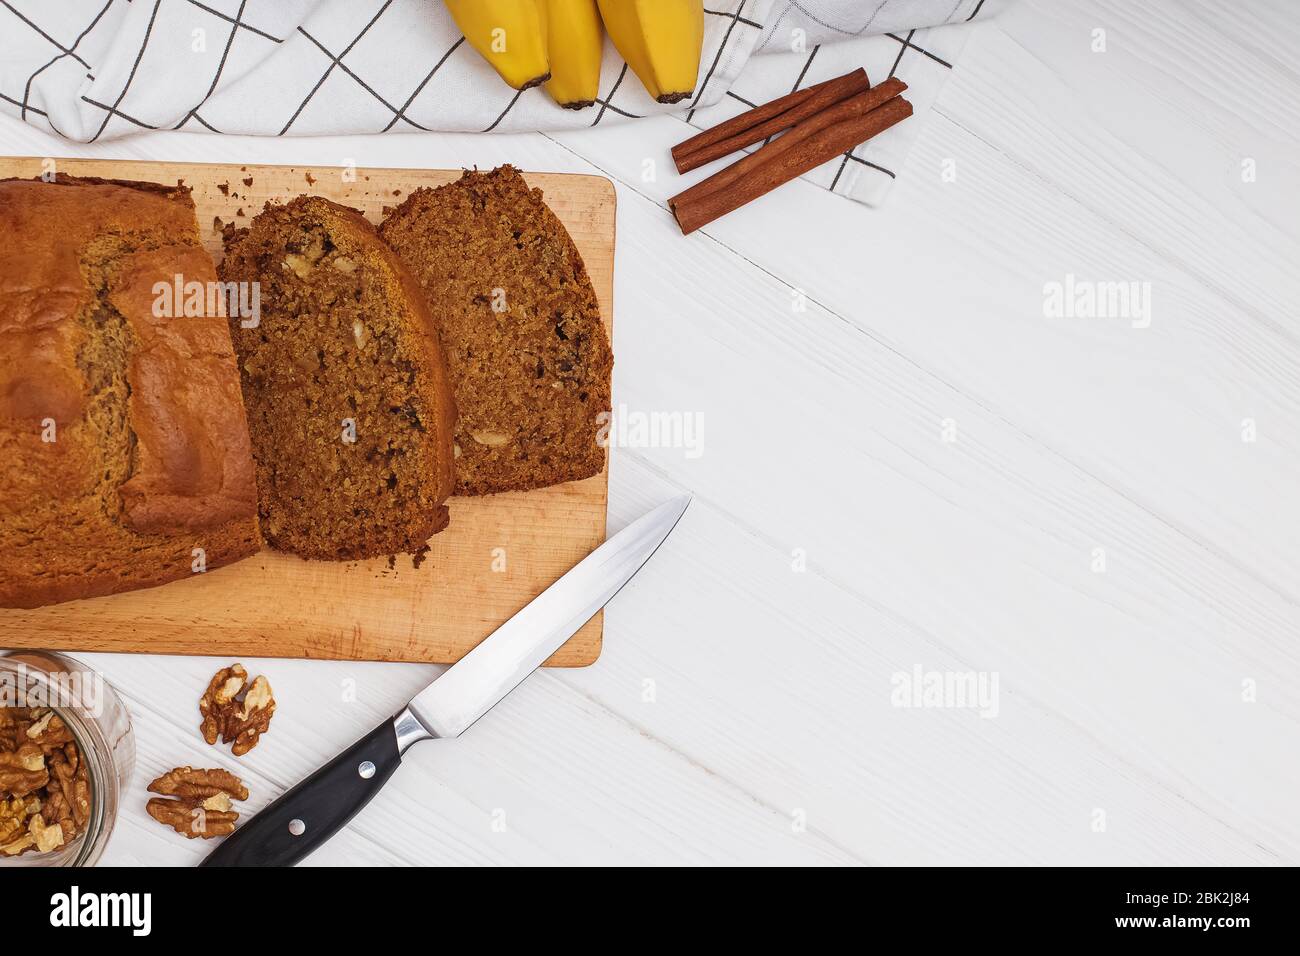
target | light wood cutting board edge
[{"x": 90, "y": 629}]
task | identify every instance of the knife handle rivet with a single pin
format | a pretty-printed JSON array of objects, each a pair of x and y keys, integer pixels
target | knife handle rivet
[
  {"x": 297, "y": 827},
  {"x": 366, "y": 769}
]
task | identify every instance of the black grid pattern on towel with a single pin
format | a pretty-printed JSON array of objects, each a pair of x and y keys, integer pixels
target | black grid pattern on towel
[
  {"x": 234, "y": 22},
  {"x": 28, "y": 16},
  {"x": 910, "y": 51},
  {"x": 18, "y": 19},
  {"x": 904, "y": 45},
  {"x": 237, "y": 29}
]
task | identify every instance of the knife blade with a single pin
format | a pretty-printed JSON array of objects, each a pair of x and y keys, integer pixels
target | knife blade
[{"x": 310, "y": 813}]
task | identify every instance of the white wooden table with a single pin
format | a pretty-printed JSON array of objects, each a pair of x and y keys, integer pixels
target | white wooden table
[{"x": 969, "y": 485}]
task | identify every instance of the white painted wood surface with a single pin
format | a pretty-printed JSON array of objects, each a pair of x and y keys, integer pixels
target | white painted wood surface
[{"x": 1121, "y": 691}]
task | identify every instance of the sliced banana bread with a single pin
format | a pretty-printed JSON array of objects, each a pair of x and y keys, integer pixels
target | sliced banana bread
[
  {"x": 529, "y": 359},
  {"x": 345, "y": 385},
  {"x": 124, "y": 454}
]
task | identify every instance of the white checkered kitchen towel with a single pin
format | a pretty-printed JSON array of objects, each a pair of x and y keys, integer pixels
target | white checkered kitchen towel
[{"x": 91, "y": 70}]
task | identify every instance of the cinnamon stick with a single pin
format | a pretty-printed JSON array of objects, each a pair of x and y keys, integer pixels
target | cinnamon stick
[
  {"x": 767, "y": 120},
  {"x": 738, "y": 124},
  {"x": 854, "y": 106},
  {"x": 771, "y": 167}
]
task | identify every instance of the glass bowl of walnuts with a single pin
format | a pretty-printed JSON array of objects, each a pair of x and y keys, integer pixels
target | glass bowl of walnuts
[{"x": 66, "y": 754}]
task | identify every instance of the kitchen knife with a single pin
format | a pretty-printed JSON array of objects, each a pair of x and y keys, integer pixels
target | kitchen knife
[{"x": 313, "y": 811}]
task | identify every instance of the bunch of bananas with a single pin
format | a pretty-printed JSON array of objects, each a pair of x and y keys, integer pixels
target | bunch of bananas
[{"x": 558, "y": 42}]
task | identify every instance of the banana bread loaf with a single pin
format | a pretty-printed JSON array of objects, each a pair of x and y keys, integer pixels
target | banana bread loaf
[
  {"x": 529, "y": 359},
  {"x": 345, "y": 386},
  {"x": 124, "y": 453}
]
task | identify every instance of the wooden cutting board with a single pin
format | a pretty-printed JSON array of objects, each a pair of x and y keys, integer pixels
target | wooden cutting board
[{"x": 498, "y": 554}]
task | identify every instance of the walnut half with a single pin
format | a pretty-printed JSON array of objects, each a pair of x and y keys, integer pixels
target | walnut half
[
  {"x": 200, "y": 804},
  {"x": 236, "y": 711},
  {"x": 68, "y": 801},
  {"x": 48, "y": 731},
  {"x": 23, "y": 770},
  {"x": 14, "y": 813}
]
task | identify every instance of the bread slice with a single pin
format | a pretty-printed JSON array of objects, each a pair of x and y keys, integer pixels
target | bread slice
[
  {"x": 529, "y": 358},
  {"x": 345, "y": 385},
  {"x": 124, "y": 453}
]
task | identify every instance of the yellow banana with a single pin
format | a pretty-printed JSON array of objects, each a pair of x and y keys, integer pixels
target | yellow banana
[
  {"x": 661, "y": 40},
  {"x": 575, "y": 39},
  {"x": 511, "y": 35}
]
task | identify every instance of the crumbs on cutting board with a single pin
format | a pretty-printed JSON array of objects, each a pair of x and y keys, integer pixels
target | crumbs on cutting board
[
  {"x": 248, "y": 181},
  {"x": 217, "y": 224},
  {"x": 417, "y": 558},
  {"x": 224, "y": 188}
]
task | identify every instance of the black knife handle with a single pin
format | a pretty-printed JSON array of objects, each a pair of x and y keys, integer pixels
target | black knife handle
[{"x": 317, "y": 808}]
